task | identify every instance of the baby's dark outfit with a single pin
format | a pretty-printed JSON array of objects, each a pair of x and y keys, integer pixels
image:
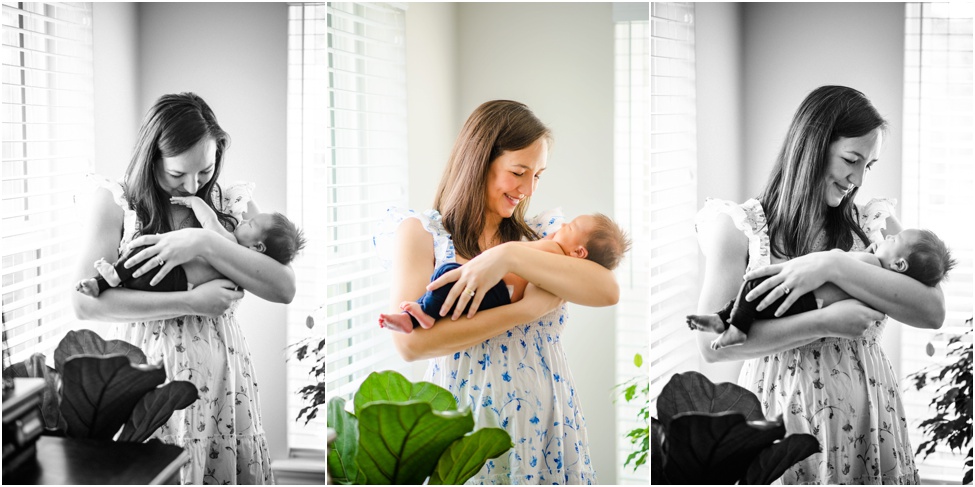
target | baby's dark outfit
[
  {"x": 741, "y": 313},
  {"x": 432, "y": 301},
  {"x": 174, "y": 281}
]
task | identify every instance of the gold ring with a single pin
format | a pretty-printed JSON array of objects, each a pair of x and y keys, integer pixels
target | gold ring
[{"x": 470, "y": 292}]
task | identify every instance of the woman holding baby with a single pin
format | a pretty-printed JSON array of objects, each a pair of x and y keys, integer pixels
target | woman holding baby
[
  {"x": 825, "y": 370},
  {"x": 507, "y": 363},
  {"x": 194, "y": 333}
]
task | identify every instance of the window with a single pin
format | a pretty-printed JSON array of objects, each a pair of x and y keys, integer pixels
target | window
[
  {"x": 938, "y": 179},
  {"x": 365, "y": 170},
  {"x": 632, "y": 183},
  {"x": 48, "y": 97},
  {"x": 673, "y": 190}
]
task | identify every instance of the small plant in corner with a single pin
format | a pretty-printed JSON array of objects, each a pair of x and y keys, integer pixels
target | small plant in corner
[
  {"x": 638, "y": 389},
  {"x": 99, "y": 387},
  {"x": 717, "y": 434},
  {"x": 407, "y": 433}
]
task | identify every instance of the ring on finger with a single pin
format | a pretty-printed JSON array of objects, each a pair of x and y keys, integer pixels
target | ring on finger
[
  {"x": 160, "y": 261},
  {"x": 470, "y": 292},
  {"x": 785, "y": 289}
]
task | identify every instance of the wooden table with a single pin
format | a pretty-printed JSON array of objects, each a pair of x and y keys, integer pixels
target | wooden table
[{"x": 73, "y": 461}]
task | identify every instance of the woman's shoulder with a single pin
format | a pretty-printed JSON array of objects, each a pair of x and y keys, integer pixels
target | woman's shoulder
[
  {"x": 873, "y": 216},
  {"x": 385, "y": 235},
  {"x": 748, "y": 217},
  {"x": 234, "y": 197},
  {"x": 116, "y": 188},
  {"x": 546, "y": 222}
]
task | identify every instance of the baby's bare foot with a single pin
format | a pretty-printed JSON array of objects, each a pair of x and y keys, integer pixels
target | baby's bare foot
[
  {"x": 731, "y": 337},
  {"x": 400, "y": 322},
  {"x": 107, "y": 271},
  {"x": 712, "y": 323},
  {"x": 414, "y": 309},
  {"x": 88, "y": 287}
]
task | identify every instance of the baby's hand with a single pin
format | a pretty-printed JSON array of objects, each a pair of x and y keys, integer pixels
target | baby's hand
[{"x": 186, "y": 201}]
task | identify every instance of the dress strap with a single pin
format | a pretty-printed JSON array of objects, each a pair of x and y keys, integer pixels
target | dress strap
[{"x": 749, "y": 218}]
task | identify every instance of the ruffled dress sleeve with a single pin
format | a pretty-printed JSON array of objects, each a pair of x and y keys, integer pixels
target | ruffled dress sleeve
[
  {"x": 749, "y": 217},
  {"x": 385, "y": 237},
  {"x": 130, "y": 225},
  {"x": 235, "y": 198},
  {"x": 873, "y": 217},
  {"x": 546, "y": 222}
]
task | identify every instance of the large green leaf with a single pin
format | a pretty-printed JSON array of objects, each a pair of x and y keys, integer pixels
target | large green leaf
[
  {"x": 390, "y": 385},
  {"x": 778, "y": 457},
  {"x": 342, "y": 464},
  {"x": 693, "y": 392},
  {"x": 467, "y": 455},
  {"x": 715, "y": 448},
  {"x": 99, "y": 393},
  {"x": 155, "y": 408},
  {"x": 36, "y": 367},
  {"x": 401, "y": 443},
  {"x": 87, "y": 342}
]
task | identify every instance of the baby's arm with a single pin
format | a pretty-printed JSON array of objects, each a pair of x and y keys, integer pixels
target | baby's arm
[
  {"x": 204, "y": 214},
  {"x": 518, "y": 283},
  {"x": 830, "y": 293}
]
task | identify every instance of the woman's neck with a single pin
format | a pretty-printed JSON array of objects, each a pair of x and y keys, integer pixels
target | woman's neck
[{"x": 490, "y": 236}]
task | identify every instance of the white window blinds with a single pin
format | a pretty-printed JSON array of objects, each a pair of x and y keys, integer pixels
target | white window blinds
[
  {"x": 306, "y": 177},
  {"x": 366, "y": 172},
  {"x": 938, "y": 180},
  {"x": 632, "y": 211},
  {"x": 673, "y": 190},
  {"x": 47, "y": 150}
]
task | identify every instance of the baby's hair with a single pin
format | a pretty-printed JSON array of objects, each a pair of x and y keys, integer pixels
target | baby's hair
[
  {"x": 283, "y": 240},
  {"x": 607, "y": 242},
  {"x": 929, "y": 259}
]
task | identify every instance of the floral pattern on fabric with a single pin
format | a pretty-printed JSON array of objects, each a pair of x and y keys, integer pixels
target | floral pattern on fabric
[
  {"x": 519, "y": 381},
  {"x": 842, "y": 391},
  {"x": 222, "y": 430}
]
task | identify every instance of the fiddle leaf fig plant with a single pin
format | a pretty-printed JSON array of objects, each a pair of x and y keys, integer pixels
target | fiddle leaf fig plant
[
  {"x": 407, "y": 433},
  {"x": 99, "y": 387},
  {"x": 717, "y": 434}
]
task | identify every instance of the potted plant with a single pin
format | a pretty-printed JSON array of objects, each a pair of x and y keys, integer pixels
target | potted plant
[
  {"x": 103, "y": 389},
  {"x": 638, "y": 389},
  {"x": 717, "y": 434},
  {"x": 402, "y": 432},
  {"x": 951, "y": 424}
]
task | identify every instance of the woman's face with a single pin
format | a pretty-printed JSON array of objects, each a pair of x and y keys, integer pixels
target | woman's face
[
  {"x": 184, "y": 174},
  {"x": 849, "y": 159},
  {"x": 513, "y": 176}
]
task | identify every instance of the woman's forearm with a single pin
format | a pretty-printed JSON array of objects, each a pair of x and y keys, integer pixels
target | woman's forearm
[
  {"x": 253, "y": 271},
  {"x": 127, "y": 305},
  {"x": 901, "y": 297},
  {"x": 575, "y": 280},
  {"x": 449, "y": 336},
  {"x": 767, "y": 337}
]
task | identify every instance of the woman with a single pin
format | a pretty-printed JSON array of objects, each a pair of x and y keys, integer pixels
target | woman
[
  {"x": 506, "y": 363},
  {"x": 194, "y": 333},
  {"x": 825, "y": 371}
]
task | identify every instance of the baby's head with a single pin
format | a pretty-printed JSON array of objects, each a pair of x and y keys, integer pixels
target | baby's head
[
  {"x": 594, "y": 237},
  {"x": 919, "y": 254},
  {"x": 272, "y": 234}
]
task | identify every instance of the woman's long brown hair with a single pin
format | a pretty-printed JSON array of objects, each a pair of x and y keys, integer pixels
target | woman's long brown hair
[
  {"x": 794, "y": 198},
  {"x": 493, "y": 128}
]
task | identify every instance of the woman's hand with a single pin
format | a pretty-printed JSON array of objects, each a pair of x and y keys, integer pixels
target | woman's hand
[
  {"x": 849, "y": 318},
  {"x": 793, "y": 278},
  {"x": 473, "y": 280},
  {"x": 213, "y": 298},
  {"x": 167, "y": 250}
]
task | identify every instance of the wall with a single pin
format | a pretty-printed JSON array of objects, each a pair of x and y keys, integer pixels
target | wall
[
  {"x": 116, "y": 58},
  {"x": 235, "y": 57},
  {"x": 558, "y": 59}
]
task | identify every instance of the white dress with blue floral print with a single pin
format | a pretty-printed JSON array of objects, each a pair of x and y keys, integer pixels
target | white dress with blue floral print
[
  {"x": 842, "y": 391},
  {"x": 519, "y": 380}
]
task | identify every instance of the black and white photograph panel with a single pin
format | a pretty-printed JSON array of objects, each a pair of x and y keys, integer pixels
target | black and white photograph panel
[
  {"x": 159, "y": 243},
  {"x": 811, "y": 261},
  {"x": 487, "y": 231}
]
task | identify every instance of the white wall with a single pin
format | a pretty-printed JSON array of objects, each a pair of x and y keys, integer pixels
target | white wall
[
  {"x": 785, "y": 51},
  {"x": 557, "y": 59},
  {"x": 234, "y": 55},
  {"x": 116, "y": 58}
]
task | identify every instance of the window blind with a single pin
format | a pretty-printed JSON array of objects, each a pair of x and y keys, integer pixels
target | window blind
[
  {"x": 365, "y": 173},
  {"x": 673, "y": 191},
  {"x": 47, "y": 150},
  {"x": 937, "y": 186},
  {"x": 632, "y": 211}
]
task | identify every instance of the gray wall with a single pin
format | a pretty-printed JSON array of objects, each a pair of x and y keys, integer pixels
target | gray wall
[
  {"x": 755, "y": 64},
  {"x": 557, "y": 59},
  {"x": 235, "y": 57}
]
